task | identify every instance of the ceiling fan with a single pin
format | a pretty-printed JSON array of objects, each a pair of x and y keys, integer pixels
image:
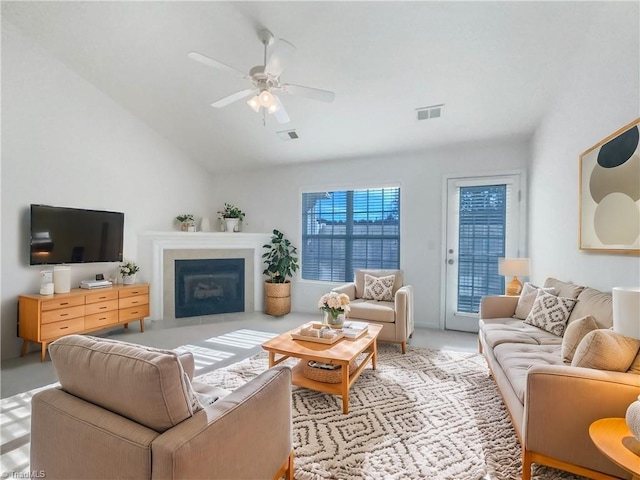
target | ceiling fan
[{"x": 265, "y": 80}]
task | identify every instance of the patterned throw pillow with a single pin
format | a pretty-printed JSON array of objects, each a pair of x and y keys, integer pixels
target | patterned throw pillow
[
  {"x": 378, "y": 288},
  {"x": 550, "y": 313},
  {"x": 527, "y": 297}
]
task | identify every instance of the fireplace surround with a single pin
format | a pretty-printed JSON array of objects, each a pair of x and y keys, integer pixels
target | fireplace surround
[{"x": 157, "y": 252}]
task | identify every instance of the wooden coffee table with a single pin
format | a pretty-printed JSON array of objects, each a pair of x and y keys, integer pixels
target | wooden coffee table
[{"x": 340, "y": 353}]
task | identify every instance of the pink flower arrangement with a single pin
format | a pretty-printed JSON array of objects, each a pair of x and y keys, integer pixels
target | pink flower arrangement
[{"x": 334, "y": 303}]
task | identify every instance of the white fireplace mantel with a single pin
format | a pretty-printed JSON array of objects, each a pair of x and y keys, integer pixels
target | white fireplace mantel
[{"x": 151, "y": 247}]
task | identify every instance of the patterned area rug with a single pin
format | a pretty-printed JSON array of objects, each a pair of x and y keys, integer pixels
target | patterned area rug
[{"x": 428, "y": 414}]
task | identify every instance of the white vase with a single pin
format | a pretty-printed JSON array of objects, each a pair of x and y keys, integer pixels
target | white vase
[
  {"x": 633, "y": 418},
  {"x": 232, "y": 224},
  {"x": 205, "y": 225},
  {"x": 129, "y": 279}
]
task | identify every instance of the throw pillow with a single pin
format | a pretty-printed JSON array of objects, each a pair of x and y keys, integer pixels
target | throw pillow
[
  {"x": 527, "y": 297},
  {"x": 574, "y": 333},
  {"x": 378, "y": 288},
  {"x": 550, "y": 313},
  {"x": 635, "y": 365},
  {"x": 605, "y": 349}
]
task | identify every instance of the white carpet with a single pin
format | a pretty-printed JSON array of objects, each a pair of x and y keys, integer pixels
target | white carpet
[{"x": 425, "y": 415}]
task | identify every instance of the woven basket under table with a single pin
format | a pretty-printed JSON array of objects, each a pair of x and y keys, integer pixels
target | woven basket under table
[{"x": 325, "y": 376}]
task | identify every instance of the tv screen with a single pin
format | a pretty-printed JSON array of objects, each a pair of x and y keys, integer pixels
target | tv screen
[{"x": 73, "y": 235}]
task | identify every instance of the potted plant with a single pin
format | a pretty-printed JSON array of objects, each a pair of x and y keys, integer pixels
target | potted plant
[
  {"x": 231, "y": 216},
  {"x": 282, "y": 261},
  {"x": 128, "y": 271},
  {"x": 187, "y": 222}
]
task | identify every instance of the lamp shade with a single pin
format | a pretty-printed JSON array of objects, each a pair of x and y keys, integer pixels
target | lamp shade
[
  {"x": 514, "y": 267},
  {"x": 626, "y": 311}
]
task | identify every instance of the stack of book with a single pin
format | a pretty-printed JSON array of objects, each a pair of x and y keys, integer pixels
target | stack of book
[
  {"x": 95, "y": 284},
  {"x": 353, "y": 329}
]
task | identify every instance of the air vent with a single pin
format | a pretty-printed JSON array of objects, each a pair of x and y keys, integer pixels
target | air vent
[
  {"x": 286, "y": 135},
  {"x": 433, "y": 111}
]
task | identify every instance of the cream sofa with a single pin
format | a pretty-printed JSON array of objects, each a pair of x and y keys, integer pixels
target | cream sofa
[
  {"x": 395, "y": 316},
  {"x": 551, "y": 402},
  {"x": 126, "y": 411}
]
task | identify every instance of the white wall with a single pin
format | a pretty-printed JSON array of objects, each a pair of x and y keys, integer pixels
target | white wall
[
  {"x": 272, "y": 199},
  {"x": 65, "y": 143},
  {"x": 600, "y": 94}
]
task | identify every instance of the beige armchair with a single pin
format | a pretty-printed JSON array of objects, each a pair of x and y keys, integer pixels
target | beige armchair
[
  {"x": 127, "y": 411},
  {"x": 395, "y": 315}
]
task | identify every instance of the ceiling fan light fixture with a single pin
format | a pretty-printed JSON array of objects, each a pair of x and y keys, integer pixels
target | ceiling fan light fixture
[
  {"x": 273, "y": 108},
  {"x": 254, "y": 103},
  {"x": 266, "y": 99}
]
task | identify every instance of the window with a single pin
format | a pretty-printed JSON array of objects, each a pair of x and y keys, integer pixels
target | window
[
  {"x": 349, "y": 229},
  {"x": 481, "y": 241}
]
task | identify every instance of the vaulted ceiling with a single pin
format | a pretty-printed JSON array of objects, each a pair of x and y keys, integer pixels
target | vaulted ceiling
[{"x": 496, "y": 67}]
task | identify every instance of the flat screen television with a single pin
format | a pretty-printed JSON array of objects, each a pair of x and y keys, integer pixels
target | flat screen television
[{"x": 74, "y": 235}]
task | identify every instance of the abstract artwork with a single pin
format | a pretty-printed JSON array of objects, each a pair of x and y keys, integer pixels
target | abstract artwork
[{"x": 610, "y": 193}]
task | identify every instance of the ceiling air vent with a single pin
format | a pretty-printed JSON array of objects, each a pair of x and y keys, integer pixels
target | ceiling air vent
[
  {"x": 433, "y": 111},
  {"x": 286, "y": 135}
]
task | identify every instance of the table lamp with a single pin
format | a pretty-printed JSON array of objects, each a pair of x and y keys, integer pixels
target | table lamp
[{"x": 514, "y": 267}]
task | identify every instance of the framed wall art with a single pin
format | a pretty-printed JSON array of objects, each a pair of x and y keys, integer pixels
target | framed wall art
[{"x": 610, "y": 193}]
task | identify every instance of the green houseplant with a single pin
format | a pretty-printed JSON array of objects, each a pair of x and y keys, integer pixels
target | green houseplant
[
  {"x": 128, "y": 271},
  {"x": 187, "y": 222},
  {"x": 282, "y": 262},
  {"x": 231, "y": 216}
]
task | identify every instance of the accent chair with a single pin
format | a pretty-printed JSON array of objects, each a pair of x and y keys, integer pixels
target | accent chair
[
  {"x": 132, "y": 412},
  {"x": 379, "y": 296}
]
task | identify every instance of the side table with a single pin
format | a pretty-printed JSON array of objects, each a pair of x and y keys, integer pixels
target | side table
[{"x": 614, "y": 439}]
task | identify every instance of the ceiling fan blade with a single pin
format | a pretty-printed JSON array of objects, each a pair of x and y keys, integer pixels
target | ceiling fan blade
[
  {"x": 312, "y": 93},
  {"x": 281, "y": 114},
  {"x": 234, "y": 97},
  {"x": 280, "y": 55},
  {"x": 198, "y": 57}
]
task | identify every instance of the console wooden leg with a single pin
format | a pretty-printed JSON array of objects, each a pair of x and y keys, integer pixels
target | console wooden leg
[
  {"x": 43, "y": 353},
  {"x": 404, "y": 347},
  {"x": 25, "y": 344},
  {"x": 142, "y": 324},
  {"x": 126, "y": 326}
]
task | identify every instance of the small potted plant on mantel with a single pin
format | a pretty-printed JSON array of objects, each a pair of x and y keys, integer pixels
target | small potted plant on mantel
[
  {"x": 282, "y": 262},
  {"x": 187, "y": 222},
  {"x": 231, "y": 216}
]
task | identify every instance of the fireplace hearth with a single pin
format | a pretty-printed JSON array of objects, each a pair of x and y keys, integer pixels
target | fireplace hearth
[{"x": 209, "y": 286}]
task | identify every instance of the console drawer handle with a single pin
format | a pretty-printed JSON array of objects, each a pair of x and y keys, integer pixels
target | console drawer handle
[
  {"x": 102, "y": 308},
  {"x": 62, "y": 328},
  {"x": 64, "y": 303},
  {"x": 64, "y": 314}
]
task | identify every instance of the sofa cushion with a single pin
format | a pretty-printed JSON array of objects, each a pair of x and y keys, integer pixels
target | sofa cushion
[
  {"x": 606, "y": 350},
  {"x": 359, "y": 279},
  {"x": 144, "y": 384},
  {"x": 373, "y": 310},
  {"x": 378, "y": 288},
  {"x": 526, "y": 299},
  {"x": 550, "y": 312},
  {"x": 635, "y": 365},
  {"x": 595, "y": 303},
  {"x": 516, "y": 360},
  {"x": 516, "y": 331},
  {"x": 574, "y": 334},
  {"x": 564, "y": 289}
]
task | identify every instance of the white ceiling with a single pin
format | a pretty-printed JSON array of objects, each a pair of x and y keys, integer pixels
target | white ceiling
[{"x": 494, "y": 65}]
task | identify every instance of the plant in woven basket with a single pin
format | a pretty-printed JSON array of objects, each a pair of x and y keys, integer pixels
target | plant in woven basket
[{"x": 280, "y": 258}]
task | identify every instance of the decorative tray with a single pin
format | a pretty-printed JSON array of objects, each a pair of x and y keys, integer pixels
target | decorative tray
[{"x": 326, "y": 341}]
